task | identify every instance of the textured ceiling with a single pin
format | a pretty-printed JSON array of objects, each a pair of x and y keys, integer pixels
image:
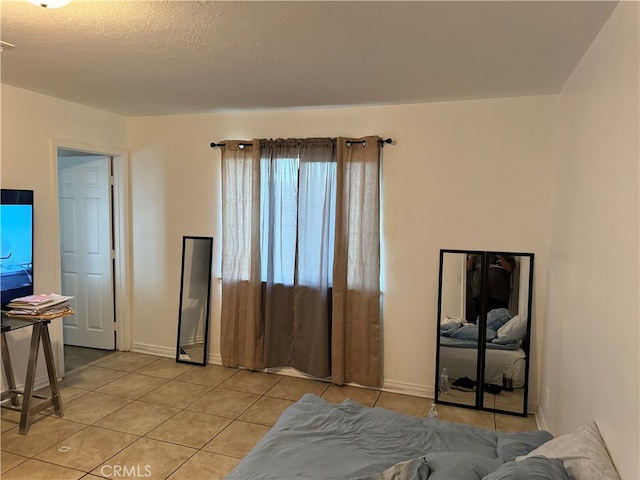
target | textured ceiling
[{"x": 156, "y": 57}]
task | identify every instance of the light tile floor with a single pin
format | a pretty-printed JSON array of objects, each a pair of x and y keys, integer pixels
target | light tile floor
[
  {"x": 76, "y": 357},
  {"x": 131, "y": 415}
]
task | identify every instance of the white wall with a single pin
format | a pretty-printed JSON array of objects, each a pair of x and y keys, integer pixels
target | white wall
[
  {"x": 30, "y": 122},
  {"x": 469, "y": 175},
  {"x": 591, "y": 345}
]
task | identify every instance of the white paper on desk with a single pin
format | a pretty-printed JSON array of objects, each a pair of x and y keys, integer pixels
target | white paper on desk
[{"x": 54, "y": 299}]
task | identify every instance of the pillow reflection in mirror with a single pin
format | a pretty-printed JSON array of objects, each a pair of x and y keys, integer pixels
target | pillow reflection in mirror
[
  {"x": 497, "y": 317},
  {"x": 448, "y": 329},
  {"x": 471, "y": 332},
  {"x": 448, "y": 319},
  {"x": 515, "y": 329}
]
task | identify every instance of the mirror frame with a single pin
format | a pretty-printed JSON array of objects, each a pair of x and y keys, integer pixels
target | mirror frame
[
  {"x": 480, "y": 358},
  {"x": 183, "y": 284}
]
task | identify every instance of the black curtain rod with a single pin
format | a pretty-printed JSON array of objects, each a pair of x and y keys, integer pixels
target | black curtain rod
[
  {"x": 348, "y": 142},
  {"x": 241, "y": 145}
]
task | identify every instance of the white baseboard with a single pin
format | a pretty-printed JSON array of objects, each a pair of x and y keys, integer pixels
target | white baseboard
[
  {"x": 169, "y": 352},
  {"x": 215, "y": 359},
  {"x": 192, "y": 341},
  {"x": 540, "y": 421},
  {"x": 408, "y": 389}
]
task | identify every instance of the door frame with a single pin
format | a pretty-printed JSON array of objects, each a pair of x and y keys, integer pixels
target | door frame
[{"x": 121, "y": 234}]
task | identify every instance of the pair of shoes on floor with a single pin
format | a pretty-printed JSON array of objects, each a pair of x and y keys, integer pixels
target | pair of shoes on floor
[
  {"x": 492, "y": 388},
  {"x": 464, "y": 384}
]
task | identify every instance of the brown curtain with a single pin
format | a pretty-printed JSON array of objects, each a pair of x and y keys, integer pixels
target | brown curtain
[
  {"x": 356, "y": 271},
  {"x": 268, "y": 321},
  {"x": 242, "y": 331}
]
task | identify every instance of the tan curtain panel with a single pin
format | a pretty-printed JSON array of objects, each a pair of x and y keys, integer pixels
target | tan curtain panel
[
  {"x": 356, "y": 272},
  {"x": 242, "y": 331}
]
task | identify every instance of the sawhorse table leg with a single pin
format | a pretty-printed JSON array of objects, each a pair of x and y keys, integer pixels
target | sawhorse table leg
[
  {"x": 8, "y": 373},
  {"x": 29, "y": 408}
]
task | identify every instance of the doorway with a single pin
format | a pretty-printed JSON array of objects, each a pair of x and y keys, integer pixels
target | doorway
[
  {"x": 92, "y": 203},
  {"x": 84, "y": 199}
]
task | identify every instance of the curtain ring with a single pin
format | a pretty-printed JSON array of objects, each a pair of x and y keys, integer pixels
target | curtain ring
[
  {"x": 241, "y": 146},
  {"x": 348, "y": 144}
]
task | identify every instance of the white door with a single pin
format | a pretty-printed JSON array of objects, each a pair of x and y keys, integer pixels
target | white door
[{"x": 85, "y": 249}]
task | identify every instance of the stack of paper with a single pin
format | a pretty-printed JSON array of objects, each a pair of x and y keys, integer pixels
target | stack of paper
[{"x": 41, "y": 305}]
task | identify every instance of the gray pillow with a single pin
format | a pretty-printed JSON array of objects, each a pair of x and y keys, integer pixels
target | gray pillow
[
  {"x": 512, "y": 445},
  {"x": 450, "y": 465},
  {"x": 532, "y": 468},
  {"x": 584, "y": 454}
]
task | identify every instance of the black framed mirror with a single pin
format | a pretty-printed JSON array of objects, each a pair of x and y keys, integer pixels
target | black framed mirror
[
  {"x": 484, "y": 327},
  {"x": 195, "y": 298}
]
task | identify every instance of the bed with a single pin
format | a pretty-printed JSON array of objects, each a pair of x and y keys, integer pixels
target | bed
[
  {"x": 316, "y": 439},
  {"x": 460, "y": 358},
  {"x": 504, "y": 353}
]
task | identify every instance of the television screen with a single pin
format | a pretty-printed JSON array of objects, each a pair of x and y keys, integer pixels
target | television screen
[{"x": 16, "y": 244}]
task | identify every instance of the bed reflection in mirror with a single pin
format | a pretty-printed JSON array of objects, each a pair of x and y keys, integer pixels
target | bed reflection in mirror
[
  {"x": 484, "y": 310},
  {"x": 195, "y": 294}
]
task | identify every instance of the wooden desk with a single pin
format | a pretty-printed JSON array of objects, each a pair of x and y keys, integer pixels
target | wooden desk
[{"x": 31, "y": 403}]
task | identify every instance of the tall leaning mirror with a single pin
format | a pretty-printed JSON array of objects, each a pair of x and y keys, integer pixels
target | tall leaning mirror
[
  {"x": 195, "y": 297},
  {"x": 484, "y": 325}
]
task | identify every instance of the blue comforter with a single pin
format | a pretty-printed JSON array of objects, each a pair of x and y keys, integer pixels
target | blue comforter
[
  {"x": 316, "y": 439},
  {"x": 495, "y": 344},
  {"x": 466, "y": 335}
]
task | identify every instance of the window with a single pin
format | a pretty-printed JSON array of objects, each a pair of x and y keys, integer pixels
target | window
[{"x": 297, "y": 218}]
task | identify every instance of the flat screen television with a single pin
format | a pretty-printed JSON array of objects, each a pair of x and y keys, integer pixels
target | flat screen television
[{"x": 16, "y": 244}]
